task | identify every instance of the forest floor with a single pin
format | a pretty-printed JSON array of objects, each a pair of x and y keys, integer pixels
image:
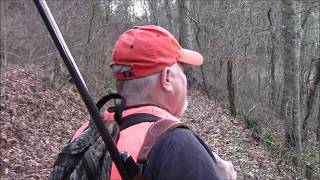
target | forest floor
[{"x": 38, "y": 119}]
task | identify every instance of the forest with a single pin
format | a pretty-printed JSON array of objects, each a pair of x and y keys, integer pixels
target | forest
[{"x": 261, "y": 59}]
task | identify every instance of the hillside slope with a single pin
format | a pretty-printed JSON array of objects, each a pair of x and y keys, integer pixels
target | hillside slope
[{"x": 37, "y": 120}]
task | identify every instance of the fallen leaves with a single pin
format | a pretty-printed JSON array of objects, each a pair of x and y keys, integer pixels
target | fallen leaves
[
  {"x": 36, "y": 121},
  {"x": 229, "y": 137}
]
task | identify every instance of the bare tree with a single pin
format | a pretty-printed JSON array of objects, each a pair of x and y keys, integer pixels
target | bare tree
[
  {"x": 291, "y": 90},
  {"x": 311, "y": 99},
  {"x": 272, "y": 60},
  {"x": 230, "y": 86},
  {"x": 185, "y": 33},
  {"x": 318, "y": 129},
  {"x": 3, "y": 49},
  {"x": 170, "y": 18},
  {"x": 154, "y": 11}
]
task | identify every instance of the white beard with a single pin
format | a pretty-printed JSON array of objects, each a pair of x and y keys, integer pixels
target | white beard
[{"x": 185, "y": 106}]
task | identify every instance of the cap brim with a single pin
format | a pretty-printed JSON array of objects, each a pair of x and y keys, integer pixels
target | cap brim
[{"x": 191, "y": 57}]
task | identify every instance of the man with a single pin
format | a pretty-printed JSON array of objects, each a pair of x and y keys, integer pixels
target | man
[{"x": 148, "y": 66}]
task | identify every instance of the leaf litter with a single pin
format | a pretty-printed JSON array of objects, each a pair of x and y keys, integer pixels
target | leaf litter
[{"x": 38, "y": 119}]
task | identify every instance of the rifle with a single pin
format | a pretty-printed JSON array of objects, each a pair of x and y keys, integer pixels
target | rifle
[{"x": 126, "y": 166}]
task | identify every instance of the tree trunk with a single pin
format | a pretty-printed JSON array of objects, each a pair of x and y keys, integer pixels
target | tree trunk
[
  {"x": 185, "y": 34},
  {"x": 306, "y": 100},
  {"x": 108, "y": 9},
  {"x": 303, "y": 79},
  {"x": 230, "y": 88},
  {"x": 286, "y": 92},
  {"x": 272, "y": 61},
  {"x": 273, "y": 78},
  {"x": 126, "y": 5},
  {"x": 169, "y": 16},
  {"x": 259, "y": 85},
  {"x": 291, "y": 77},
  {"x": 311, "y": 100},
  {"x": 204, "y": 80},
  {"x": 91, "y": 22},
  {"x": 220, "y": 69},
  {"x": 154, "y": 12},
  {"x": 318, "y": 129},
  {"x": 3, "y": 34}
]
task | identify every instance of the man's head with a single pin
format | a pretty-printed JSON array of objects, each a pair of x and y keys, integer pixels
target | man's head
[{"x": 147, "y": 63}]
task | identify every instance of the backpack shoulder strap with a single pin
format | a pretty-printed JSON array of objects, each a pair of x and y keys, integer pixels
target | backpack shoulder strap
[
  {"x": 157, "y": 130},
  {"x": 136, "y": 119}
]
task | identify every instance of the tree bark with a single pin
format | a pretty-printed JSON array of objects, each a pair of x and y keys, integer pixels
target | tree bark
[
  {"x": 126, "y": 5},
  {"x": 91, "y": 22},
  {"x": 204, "y": 80},
  {"x": 272, "y": 61},
  {"x": 230, "y": 87},
  {"x": 154, "y": 12},
  {"x": 318, "y": 129},
  {"x": 169, "y": 16},
  {"x": 3, "y": 34},
  {"x": 108, "y": 9},
  {"x": 185, "y": 34},
  {"x": 306, "y": 100},
  {"x": 291, "y": 77},
  {"x": 311, "y": 100},
  {"x": 307, "y": 9},
  {"x": 259, "y": 84}
]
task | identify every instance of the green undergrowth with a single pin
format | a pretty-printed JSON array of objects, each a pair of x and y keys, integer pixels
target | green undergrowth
[{"x": 266, "y": 138}]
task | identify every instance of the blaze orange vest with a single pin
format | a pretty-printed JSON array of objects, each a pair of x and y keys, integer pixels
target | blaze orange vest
[{"x": 131, "y": 139}]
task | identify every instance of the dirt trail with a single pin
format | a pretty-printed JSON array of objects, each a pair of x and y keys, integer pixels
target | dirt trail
[{"x": 37, "y": 120}]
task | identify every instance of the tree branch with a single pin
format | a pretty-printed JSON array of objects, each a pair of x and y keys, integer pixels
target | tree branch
[{"x": 269, "y": 17}]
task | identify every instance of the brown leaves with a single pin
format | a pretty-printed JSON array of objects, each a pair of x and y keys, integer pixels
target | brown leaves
[
  {"x": 231, "y": 140},
  {"x": 36, "y": 121}
]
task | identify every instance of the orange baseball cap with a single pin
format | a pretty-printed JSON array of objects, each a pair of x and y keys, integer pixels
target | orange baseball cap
[{"x": 146, "y": 50}]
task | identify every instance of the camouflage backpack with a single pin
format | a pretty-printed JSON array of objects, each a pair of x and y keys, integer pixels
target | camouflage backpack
[{"x": 86, "y": 157}]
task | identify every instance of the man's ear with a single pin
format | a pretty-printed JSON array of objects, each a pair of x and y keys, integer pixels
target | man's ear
[{"x": 166, "y": 79}]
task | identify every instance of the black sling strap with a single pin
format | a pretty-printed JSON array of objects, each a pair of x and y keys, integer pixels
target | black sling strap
[{"x": 136, "y": 119}]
